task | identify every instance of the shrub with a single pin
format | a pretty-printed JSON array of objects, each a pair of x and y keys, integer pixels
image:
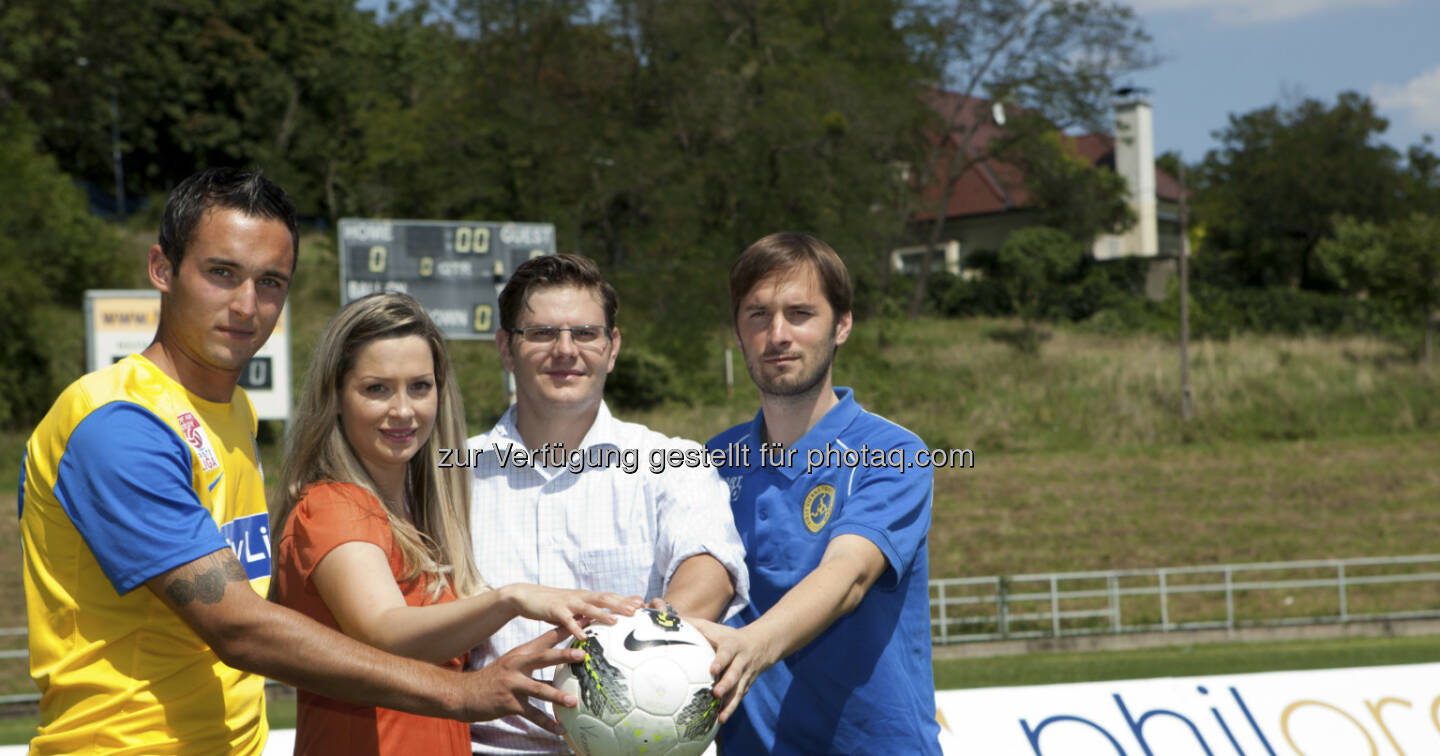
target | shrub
[
  {"x": 51, "y": 251},
  {"x": 641, "y": 380}
]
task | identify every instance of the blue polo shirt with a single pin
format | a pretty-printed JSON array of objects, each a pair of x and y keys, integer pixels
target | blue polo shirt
[{"x": 865, "y": 684}]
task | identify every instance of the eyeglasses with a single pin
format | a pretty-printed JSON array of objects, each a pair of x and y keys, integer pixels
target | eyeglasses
[{"x": 581, "y": 334}]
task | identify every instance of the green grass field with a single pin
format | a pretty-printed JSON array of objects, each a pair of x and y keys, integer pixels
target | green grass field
[
  {"x": 1049, "y": 668},
  {"x": 13, "y": 730},
  {"x": 1182, "y": 661}
]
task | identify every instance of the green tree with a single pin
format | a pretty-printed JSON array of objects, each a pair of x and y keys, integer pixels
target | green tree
[
  {"x": 414, "y": 150},
  {"x": 1031, "y": 265},
  {"x": 51, "y": 250},
  {"x": 1056, "y": 59},
  {"x": 52, "y": 70},
  {"x": 659, "y": 137},
  {"x": 753, "y": 118},
  {"x": 1070, "y": 194},
  {"x": 1399, "y": 261},
  {"x": 1170, "y": 162},
  {"x": 1267, "y": 195},
  {"x": 186, "y": 84},
  {"x": 1422, "y": 177}
]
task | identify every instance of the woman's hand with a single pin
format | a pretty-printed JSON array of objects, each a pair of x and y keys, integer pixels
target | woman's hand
[{"x": 568, "y": 609}]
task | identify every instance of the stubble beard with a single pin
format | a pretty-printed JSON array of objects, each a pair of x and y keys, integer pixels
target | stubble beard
[
  {"x": 798, "y": 386},
  {"x": 210, "y": 353},
  {"x": 230, "y": 360}
]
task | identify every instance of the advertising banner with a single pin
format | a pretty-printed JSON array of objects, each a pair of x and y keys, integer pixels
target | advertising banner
[{"x": 1364, "y": 711}]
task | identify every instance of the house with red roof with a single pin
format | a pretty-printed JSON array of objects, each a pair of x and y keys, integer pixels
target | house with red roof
[{"x": 990, "y": 199}]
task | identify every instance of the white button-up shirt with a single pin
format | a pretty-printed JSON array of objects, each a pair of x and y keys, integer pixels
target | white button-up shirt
[{"x": 578, "y": 525}]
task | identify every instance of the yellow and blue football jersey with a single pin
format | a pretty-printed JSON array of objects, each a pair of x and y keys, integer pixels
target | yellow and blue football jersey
[{"x": 129, "y": 476}]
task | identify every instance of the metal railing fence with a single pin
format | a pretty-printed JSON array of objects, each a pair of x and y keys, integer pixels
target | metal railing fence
[
  {"x": 1229, "y": 596},
  {"x": 1060, "y": 604},
  {"x": 8, "y": 636}
]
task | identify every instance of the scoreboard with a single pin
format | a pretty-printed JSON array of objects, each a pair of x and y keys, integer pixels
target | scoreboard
[{"x": 456, "y": 269}]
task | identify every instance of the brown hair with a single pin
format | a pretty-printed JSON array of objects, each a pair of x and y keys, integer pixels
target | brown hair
[
  {"x": 555, "y": 270},
  {"x": 788, "y": 252},
  {"x": 231, "y": 188}
]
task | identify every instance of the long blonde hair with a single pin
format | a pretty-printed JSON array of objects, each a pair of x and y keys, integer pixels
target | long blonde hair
[{"x": 434, "y": 536}]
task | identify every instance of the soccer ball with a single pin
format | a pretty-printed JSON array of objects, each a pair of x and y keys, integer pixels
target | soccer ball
[{"x": 644, "y": 688}]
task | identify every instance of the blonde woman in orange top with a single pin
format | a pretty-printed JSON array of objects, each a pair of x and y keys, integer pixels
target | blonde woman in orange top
[{"x": 375, "y": 538}]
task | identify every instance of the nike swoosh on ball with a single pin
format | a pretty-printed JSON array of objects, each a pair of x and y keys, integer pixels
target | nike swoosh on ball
[{"x": 635, "y": 644}]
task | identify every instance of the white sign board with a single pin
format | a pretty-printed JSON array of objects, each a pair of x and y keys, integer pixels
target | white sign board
[
  {"x": 119, "y": 323},
  {"x": 1334, "y": 712}
]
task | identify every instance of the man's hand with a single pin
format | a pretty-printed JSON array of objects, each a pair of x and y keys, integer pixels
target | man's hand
[
  {"x": 740, "y": 657},
  {"x": 247, "y": 632},
  {"x": 566, "y": 608},
  {"x": 505, "y": 686},
  {"x": 846, "y": 572}
]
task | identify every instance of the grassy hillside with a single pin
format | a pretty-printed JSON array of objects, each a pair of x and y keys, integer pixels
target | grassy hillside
[
  {"x": 1301, "y": 448},
  {"x": 961, "y": 383}
]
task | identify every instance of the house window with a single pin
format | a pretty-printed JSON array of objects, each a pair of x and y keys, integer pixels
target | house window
[{"x": 946, "y": 258}]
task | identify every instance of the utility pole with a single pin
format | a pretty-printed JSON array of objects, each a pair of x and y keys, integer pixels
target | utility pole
[
  {"x": 116, "y": 165},
  {"x": 115, "y": 152},
  {"x": 1187, "y": 410}
]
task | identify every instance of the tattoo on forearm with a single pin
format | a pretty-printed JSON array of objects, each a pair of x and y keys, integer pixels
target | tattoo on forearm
[
  {"x": 207, "y": 582},
  {"x": 234, "y": 572}
]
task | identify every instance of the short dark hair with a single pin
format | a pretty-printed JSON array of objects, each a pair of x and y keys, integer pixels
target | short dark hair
[
  {"x": 232, "y": 188},
  {"x": 789, "y": 251},
  {"x": 549, "y": 271}
]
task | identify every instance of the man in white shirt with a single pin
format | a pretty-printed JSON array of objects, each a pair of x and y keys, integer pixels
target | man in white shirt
[{"x": 565, "y": 495}]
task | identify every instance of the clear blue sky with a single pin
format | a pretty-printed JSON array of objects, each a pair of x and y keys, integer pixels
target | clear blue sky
[{"x": 1234, "y": 56}]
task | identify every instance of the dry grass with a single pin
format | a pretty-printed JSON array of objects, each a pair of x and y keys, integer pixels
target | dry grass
[
  {"x": 13, "y": 675},
  {"x": 1301, "y": 448},
  {"x": 962, "y": 384},
  {"x": 1197, "y": 505},
  {"x": 1085, "y": 391},
  {"x": 1187, "y": 505}
]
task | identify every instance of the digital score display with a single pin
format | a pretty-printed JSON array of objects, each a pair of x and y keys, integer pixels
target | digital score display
[{"x": 456, "y": 269}]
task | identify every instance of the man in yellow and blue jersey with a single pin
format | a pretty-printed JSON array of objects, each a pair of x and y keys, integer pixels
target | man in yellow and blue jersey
[{"x": 145, "y": 534}]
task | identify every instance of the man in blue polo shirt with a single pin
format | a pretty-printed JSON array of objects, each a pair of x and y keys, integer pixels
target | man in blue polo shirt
[{"x": 834, "y": 648}]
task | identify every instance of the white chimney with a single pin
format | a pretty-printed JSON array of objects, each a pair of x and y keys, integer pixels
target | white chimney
[{"x": 1135, "y": 162}]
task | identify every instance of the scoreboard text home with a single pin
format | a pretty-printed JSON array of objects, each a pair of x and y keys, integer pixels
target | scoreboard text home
[{"x": 456, "y": 269}]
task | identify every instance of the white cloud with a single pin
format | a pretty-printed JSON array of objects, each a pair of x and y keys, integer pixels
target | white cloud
[
  {"x": 1245, "y": 12},
  {"x": 1418, "y": 98}
]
